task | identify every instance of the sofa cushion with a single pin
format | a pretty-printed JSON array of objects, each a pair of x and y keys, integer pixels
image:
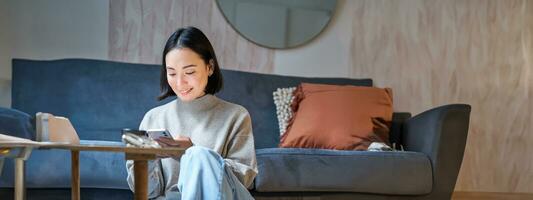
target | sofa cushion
[
  {"x": 338, "y": 117},
  {"x": 16, "y": 123},
  {"x": 300, "y": 170},
  {"x": 254, "y": 92},
  {"x": 283, "y": 98}
]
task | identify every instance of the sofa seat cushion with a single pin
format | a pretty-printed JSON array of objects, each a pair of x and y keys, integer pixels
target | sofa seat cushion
[{"x": 300, "y": 170}]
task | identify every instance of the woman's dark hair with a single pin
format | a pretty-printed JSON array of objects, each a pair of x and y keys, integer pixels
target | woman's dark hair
[{"x": 193, "y": 39}]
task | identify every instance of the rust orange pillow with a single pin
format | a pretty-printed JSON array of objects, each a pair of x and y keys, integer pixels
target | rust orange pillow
[{"x": 338, "y": 117}]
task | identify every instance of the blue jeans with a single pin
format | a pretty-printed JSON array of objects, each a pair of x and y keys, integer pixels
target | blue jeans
[{"x": 204, "y": 175}]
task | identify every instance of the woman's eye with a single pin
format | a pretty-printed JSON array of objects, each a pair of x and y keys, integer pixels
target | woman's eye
[
  {"x": 189, "y": 73},
  {"x": 171, "y": 74}
]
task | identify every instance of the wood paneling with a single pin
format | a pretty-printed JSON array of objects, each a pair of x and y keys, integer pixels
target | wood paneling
[
  {"x": 458, "y": 51},
  {"x": 139, "y": 29}
]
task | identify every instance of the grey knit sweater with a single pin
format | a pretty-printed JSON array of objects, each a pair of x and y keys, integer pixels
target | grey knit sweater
[{"x": 209, "y": 122}]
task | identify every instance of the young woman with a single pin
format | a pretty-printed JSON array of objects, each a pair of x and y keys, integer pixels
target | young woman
[{"x": 221, "y": 163}]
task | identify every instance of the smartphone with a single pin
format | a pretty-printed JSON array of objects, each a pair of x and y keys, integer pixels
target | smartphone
[
  {"x": 157, "y": 133},
  {"x": 134, "y": 131}
]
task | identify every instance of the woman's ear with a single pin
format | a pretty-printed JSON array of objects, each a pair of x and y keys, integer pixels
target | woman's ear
[{"x": 211, "y": 67}]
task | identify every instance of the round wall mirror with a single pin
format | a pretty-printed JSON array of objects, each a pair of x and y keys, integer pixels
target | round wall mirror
[{"x": 278, "y": 23}]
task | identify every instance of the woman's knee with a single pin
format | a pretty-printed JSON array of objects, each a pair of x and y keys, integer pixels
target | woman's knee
[{"x": 197, "y": 152}]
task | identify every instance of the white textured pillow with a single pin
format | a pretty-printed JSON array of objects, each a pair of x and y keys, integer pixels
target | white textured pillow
[{"x": 283, "y": 99}]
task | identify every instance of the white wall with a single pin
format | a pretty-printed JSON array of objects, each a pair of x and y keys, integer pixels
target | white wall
[
  {"x": 324, "y": 56},
  {"x": 51, "y": 29},
  {"x": 5, "y": 63}
]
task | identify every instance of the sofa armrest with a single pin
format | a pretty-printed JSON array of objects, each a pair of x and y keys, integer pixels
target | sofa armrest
[
  {"x": 441, "y": 134},
  {"x": 16, "y": 123}
]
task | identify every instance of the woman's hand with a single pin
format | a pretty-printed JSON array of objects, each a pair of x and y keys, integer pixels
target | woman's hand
[{"x": 177, "y": 142}]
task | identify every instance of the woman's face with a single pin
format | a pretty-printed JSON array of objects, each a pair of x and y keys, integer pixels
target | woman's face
[{"x": 187, "y": 73}]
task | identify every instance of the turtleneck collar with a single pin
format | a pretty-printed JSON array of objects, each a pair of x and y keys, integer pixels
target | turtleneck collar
[{"x": 203, "y": 103}]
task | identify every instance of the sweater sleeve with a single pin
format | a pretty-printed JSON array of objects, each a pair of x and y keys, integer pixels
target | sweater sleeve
[
  {"x": 241, "y": 152},
  {"x": 156, "y": 185}
]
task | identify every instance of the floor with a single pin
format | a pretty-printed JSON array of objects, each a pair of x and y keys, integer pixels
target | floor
[{"x": 491, "y": 196}]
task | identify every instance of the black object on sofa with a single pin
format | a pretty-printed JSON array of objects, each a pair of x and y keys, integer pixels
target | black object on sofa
[{"x": 102, "y": 97}]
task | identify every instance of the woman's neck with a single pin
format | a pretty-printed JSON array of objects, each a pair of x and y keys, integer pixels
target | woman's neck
[{"x": 202, "y": 103}]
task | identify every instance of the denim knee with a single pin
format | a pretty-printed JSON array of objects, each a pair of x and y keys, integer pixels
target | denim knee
[{"x": 199, "y": 153}]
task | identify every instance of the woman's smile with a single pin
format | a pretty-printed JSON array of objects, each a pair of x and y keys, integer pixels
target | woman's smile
[{"x": 185, "y": 92}]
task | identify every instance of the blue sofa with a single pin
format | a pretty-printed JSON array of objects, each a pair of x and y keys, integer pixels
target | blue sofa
[{"x": 103, "y": 97}]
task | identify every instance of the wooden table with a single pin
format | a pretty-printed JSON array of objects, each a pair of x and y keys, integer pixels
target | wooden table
[
  {"x": 140, "y": 157},
  {"x": 24, "y": 151}
]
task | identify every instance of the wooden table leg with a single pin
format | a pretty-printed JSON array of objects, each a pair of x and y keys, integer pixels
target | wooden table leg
[
  {"x": 1, "y": 164},
  {"x": 140, "y": 168},
  {"x": 19, "y": 179},
  {"x": 140, "y": 173},
  {"x": 75, "y": 176},
  {"x": 20, "y": 187}
]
